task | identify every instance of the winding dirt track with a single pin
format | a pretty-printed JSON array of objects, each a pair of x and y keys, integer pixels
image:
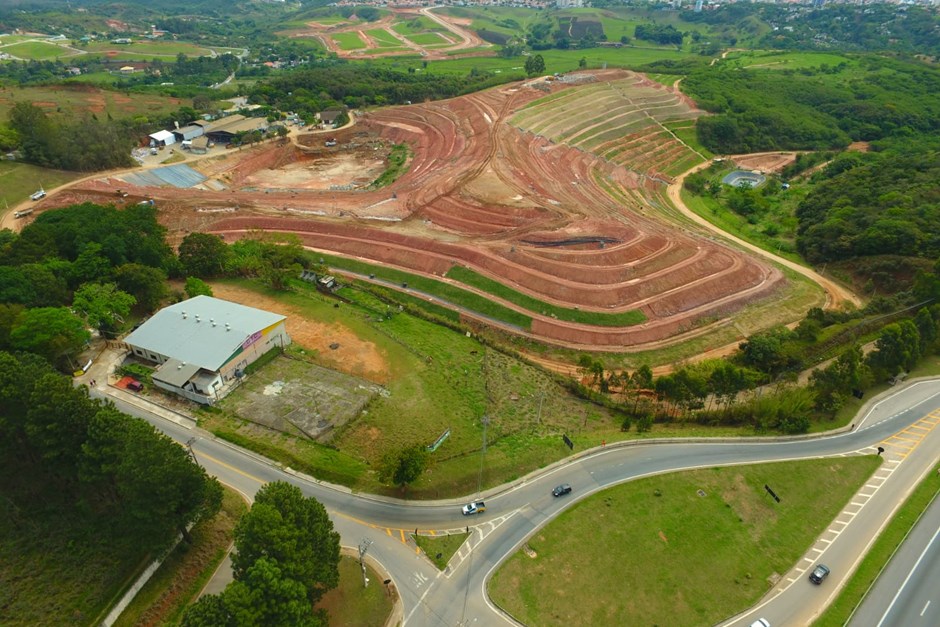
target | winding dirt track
[{"x": 836, "y": 295}]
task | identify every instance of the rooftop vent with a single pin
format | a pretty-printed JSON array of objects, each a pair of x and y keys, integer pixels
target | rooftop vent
[
  {"x": 212, "y": 320},
  {"x": 184, "y": 315}
]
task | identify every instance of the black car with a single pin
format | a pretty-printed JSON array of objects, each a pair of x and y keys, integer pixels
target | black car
[
  {"x": 819, "y": 573},
  {"x": 561, "y": 490}
]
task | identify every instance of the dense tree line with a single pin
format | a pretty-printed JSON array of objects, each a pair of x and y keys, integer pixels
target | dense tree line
[
  {"x": 355, "y": 85},
  {"x": 793, "y": 109},
  {"x": 874, "y": 204},
  {"x": 658, "y": 33},
  {"x": 83, "y": 265},
  {"x": 109, "y": 473},
  {"x": 80, "y": 144}
]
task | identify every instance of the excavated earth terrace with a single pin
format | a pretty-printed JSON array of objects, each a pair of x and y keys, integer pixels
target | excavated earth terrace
[{"x": 524, "y": 184}]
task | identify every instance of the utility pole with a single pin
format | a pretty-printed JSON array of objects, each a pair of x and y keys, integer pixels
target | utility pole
[
  {"x": 189, "y": 445},
  {"x": 363, "y": 547}
]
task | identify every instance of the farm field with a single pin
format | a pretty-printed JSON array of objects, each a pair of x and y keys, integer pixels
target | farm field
[
  {"x": 81, "y": 98},
  {"x": 570, "y": 213}
]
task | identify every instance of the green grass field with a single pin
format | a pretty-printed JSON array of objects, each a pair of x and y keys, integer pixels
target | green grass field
[
  {"x": 780, "y": 60},
  {"x": 352, "y": 604},
  {"x": 418, "y": 24},
  {"x": 151, "y": 48},
  {"x": 443, "y": 546},
  {"x": 555, "y": 60},
  {"x": 348, "y": 41},
  {"x": 383, "y": 38},
  {"x": 682, "y": 556},
  {"x": 19, "y": 180},
  {"x": 428, "y": 39},
  {"x": 37, "y": 50}
]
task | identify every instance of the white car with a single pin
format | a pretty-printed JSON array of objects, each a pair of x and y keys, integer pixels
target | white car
[
  {"x": 760, "y": 622},
  {"x": 473, "y": 508},
  {"x": 38, "y": 195}
]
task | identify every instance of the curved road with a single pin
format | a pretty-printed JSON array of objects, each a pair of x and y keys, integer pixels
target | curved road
[
  {"x": 836, "y": 294},
  {"x": 515, "y": 511}
]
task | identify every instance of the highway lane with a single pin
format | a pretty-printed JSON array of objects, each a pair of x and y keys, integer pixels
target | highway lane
[
  {"x": 916, "y": 603},
  {"x": 514, "y": 512}
]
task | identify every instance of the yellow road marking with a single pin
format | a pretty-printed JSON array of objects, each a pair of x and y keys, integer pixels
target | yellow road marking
[
  {"x": 232, "y": 468},
  {"x": 402, "y": 532}
]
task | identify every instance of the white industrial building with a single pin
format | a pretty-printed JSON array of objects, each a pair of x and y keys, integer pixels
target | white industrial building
[{"x": 202, "y": 345}]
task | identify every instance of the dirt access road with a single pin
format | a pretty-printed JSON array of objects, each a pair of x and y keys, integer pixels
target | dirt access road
[{"x": 836, "y": 295}]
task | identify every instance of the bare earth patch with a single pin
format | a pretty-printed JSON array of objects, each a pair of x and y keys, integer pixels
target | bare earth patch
[{"x": 353, "y": 355}]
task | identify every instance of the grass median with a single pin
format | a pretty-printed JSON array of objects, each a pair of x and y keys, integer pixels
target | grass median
[{"x": 689, "y": 548}]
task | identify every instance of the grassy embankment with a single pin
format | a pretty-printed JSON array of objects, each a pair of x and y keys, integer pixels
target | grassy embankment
[
  {"x": 462, "y": 381},
  {"x": 397, "y": 162},
  {"x": 18, "y": 180},
  {"x": 699, "y": 546}
]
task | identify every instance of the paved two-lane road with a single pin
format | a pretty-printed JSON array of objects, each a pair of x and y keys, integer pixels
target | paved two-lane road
[{"x": 457, "y": 596}]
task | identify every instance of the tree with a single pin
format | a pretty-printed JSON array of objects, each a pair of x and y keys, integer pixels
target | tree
[
  {"x": 104, "y": 306},
  {"x": 162, "y": 489},
  {"x": 897, "y": 348},
  {"x": 834, "y": 383},
  {"x": 208, "y": 611},
  {"x": 767, "y": 351},
  {"x": 265, "y": 597},
  {"x": 294, "y": 531},
  {"x": 147, "y": 285},
  {"x": 927, "y": 328},
  {"x": 197, "y": 287},
  {"x": 535, "y": 64},
  {"x": 406, "y": 466},
  {"x": 203, "y": 255},
  {"x": 582, "y": 63},
  {"x": 52, "y": 332}
]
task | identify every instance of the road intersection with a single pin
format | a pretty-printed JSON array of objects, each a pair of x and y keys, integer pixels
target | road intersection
[{"x": 903, "y": 422}]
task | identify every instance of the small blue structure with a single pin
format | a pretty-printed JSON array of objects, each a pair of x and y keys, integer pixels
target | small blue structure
[{"x": 742, "y": 178}]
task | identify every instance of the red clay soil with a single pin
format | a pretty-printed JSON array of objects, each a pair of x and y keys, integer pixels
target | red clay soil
[{"x": 486, "y": 195}]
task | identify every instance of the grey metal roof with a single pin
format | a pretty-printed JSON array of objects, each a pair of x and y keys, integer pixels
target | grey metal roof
[
  {"x": 202, "y": 331},
  {"x": 175, "y": 372}
]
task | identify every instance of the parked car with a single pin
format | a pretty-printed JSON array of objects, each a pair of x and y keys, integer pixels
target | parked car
[
  {"x": 760, "y": 622},
  {"x": 38, "y": 195},
  {"x": 819, "y": 573},
  {"x": 473, "y": 508},
  {"x": 562, "y": 489},
  {"x": 135, "y": 386}
]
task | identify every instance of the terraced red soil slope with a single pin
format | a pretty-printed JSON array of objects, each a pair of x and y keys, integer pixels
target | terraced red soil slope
[{"x": 551, "y": 219}]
